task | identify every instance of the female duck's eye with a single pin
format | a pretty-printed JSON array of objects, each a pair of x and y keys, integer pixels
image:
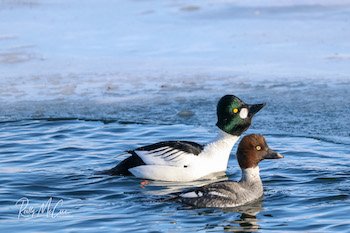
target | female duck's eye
[
  {"x": 258, "y": 147},
  {"x": 235, "y": 110}
]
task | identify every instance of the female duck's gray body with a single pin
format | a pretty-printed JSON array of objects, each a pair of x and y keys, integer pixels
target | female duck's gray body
[
  {"x": 188, "y": 161},
  {"x": 251, "y": 150}
]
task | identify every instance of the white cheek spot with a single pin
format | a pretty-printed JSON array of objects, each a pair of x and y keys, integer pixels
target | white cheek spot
[{"x": 243, "y": 113}]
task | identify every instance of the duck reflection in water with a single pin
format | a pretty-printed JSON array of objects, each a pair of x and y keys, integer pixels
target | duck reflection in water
[{"x": 245, "y": 218}]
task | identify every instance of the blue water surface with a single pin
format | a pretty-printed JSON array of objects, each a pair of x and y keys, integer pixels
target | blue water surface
[{"x": 308, "y": 190}]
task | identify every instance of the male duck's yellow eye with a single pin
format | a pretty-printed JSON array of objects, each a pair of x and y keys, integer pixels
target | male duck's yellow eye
[
  {"x": 258, "y": 147},
  {"x": 235, "y": 110}
]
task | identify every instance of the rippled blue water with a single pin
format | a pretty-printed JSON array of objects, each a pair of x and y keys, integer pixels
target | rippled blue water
[{"x": 308, "y": 190}]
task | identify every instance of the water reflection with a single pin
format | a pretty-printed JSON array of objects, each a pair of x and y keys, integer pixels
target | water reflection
[
  {"x": 245, "y": 218},
  {"x": 158, "y": 188},
  {"x": 247, "y": 221}
]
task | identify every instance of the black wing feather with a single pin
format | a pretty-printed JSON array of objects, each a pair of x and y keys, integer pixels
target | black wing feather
[{"x": 186, "y": 146}]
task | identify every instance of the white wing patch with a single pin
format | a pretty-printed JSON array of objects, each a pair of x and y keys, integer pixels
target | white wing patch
[
  {"x": 191, "y": 194},
  {"x": 166, "y": 156},
  {"x": 195, "y": 194}
]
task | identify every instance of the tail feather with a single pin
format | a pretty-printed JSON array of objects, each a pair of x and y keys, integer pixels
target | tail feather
[{"x": 123, "y": 167}]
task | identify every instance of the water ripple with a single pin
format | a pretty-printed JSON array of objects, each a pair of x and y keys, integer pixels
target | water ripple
[{"x": 58, "y": 159}]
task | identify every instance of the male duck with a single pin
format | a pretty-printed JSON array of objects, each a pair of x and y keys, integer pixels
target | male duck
[{"x": 184, "y": 161}]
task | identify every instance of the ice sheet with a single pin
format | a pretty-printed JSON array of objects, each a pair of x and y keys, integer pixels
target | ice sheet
[{"x": 68, "y": 58}]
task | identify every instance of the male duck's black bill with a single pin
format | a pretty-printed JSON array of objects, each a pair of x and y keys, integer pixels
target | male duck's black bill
[
  {"x": 254, "y": 108},
  {"x": 271, "y": 154}
]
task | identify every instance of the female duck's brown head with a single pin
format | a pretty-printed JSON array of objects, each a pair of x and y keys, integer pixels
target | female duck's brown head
[{"x": 252, "y": 149}]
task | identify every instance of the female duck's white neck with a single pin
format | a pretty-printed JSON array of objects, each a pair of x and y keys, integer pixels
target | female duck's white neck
[
  {"x": 251, "y": 182},
  {"x": 251, "y": 175}
]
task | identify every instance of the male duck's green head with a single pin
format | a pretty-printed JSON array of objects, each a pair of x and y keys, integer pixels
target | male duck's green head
[{"x": 235, "y": 116}]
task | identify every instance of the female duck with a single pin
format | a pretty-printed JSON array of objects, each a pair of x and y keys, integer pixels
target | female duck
[{"x": 251, "y": 150}]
